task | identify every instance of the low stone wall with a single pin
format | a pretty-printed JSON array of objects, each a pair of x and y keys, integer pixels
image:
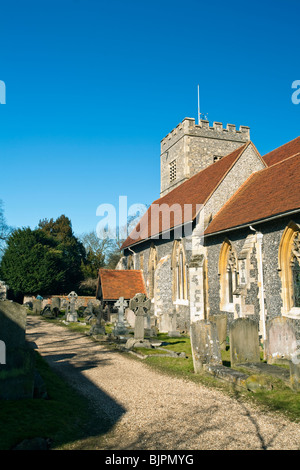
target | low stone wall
[{"x": 81, "y": 301}]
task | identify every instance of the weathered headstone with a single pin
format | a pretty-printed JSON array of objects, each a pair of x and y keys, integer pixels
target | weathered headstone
[
  {"x": 88, "y": 312},
  {"x": 98, "y": 326},
  {"x": 37, "y": 306},
  {"x": 17, "y": 359},
  {"x": 72, "y": 314},
  {"x": 120, "y": 327},
  {"x": 173, "y": 333},
  {"x": 244, "y": 341},
  {"x": 205, "y": 344},
  {"x": 55, "y": 305},
  {"x": 140, "y": 305},
  {"x": 130, "y": 317},
  {"x": 63, "y": 304},
  {"x": 221, "y": 322},
  {"x": 281, "y": 341},
  {"x": 47, "y": 312}
]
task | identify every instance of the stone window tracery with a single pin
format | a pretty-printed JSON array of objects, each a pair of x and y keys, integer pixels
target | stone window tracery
[{"x": 289, "y": 270}]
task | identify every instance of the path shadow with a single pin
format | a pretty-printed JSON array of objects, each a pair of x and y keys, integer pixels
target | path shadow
[{"x": 70, "y": 365}]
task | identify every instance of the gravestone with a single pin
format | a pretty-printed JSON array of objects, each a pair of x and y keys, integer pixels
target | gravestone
[
  {"x": 37, "y": 306},
  {"x": 88, "y": 312},
  {"x": 130, "y": 317},
  {"x": 17, "y": 359},
  {"x": 172, "y": 332},
  {"x": 120, "y": 327},
  {"x": 98, "y": 327},
  {"x": 55, "y": 305},
  {"x": 244, "y": 341},
  {"x": 72, "y": 314},
  {"x": 64, "y": 304},
  {"x": 140, "y": 305},
  {"x": 205, "y": 344},
  {"x": 221, "y": 322},
  {"x": 281, "y": 341}
]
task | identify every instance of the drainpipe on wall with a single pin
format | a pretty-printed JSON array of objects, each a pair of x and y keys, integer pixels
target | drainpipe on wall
[{"x": 259, "y": 237}]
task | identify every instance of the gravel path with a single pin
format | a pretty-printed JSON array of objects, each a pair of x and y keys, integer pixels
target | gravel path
[{"x": 151, "y": 411}]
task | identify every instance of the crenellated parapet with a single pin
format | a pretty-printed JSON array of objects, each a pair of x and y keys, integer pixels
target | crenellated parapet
[{"x": 217, "y": 131}]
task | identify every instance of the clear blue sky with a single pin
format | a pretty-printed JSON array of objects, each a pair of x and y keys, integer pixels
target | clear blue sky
[{"x": 93, "y": 86}]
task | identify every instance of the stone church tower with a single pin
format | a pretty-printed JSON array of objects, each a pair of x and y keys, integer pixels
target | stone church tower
[{"x": 189, "y": 148}]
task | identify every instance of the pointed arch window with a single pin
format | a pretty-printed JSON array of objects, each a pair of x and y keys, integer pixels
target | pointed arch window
[
  {"x": 289, "y": 269},
  {"x": 228, "y": 272},
  {"x": 179, "y": 268}
]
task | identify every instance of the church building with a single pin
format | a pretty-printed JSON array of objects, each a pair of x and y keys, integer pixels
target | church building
[{"x": 224, "y": 235}]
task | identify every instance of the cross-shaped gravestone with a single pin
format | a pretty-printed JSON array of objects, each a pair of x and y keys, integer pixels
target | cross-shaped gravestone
[
  {"x": 140, "y": 305},
  {"x": 72, "y": 315},
  {"x": 121, "y": 304}
]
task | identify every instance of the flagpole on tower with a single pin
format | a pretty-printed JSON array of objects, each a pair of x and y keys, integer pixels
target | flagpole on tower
[{"x": 199, "y": 120}]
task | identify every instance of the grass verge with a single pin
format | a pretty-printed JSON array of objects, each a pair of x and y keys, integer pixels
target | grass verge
[{"x": 279, "y": 398}]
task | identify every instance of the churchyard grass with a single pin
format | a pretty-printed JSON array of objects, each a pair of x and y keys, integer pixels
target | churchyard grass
[{"x": 279, "y": 398}]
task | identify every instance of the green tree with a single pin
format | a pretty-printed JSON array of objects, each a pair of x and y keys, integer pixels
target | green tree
[
  {"x": 32, "y": 263},
  {"x": 5, "y": 230},
  {"x": 72, "y": 250}
]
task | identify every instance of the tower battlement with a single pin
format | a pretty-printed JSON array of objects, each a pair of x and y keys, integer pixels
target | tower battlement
[
  {"x": 217, "y": 131},
  {"x": 191, "y": 147}
]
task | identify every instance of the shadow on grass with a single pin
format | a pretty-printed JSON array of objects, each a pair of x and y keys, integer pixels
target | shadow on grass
[{"x": 75, "y": 409}]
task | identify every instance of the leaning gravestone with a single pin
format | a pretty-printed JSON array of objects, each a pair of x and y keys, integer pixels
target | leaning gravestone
[
  {"x": 205, "y": 344},
  {"x": 244, "y": 341},
  {"x": 221, "y": 322},
  {"x": 140, "y": 305},
  {"x": 281, "y": 341},
  {"x": 17, "y": 359}
]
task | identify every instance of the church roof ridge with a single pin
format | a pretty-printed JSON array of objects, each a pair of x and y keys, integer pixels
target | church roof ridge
[
  {"x": 188, "y": 192},
  {"x": 246, "y": 203},
  {"x": 278, "y": 154}
]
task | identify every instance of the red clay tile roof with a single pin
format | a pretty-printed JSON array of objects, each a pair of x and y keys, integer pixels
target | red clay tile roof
[
  {"x": 266, "y": 193},
  {"x": 283, "y": 152},
  {"x": 195, "y": 191},
  {"x": 120, "y": 283}
]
